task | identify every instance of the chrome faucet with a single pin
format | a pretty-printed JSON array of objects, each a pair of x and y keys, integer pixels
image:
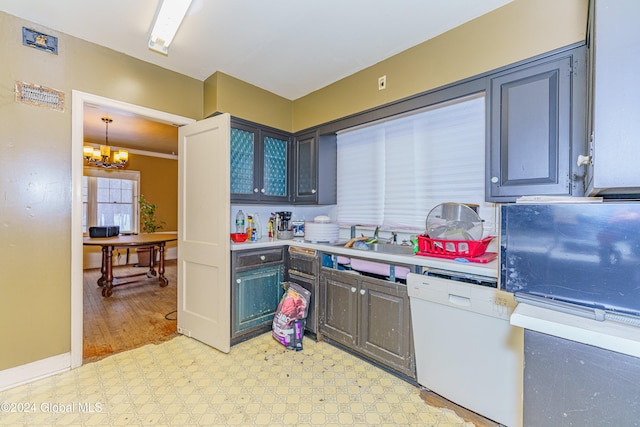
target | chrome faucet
[{"x": 394, "y": 238}]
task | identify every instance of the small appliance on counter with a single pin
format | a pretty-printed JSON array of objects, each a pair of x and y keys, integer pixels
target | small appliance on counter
[
  {"x": 281, "y": 224},
  {"x": 104, "y": 231}
]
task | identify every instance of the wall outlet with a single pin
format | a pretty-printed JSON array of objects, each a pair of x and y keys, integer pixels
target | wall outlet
[{"x": 382, "y": 82}]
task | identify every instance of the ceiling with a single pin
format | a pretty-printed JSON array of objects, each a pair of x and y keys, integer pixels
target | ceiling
[
  {"x": 288, "y": 47},
  {"x": 128, "y": 131}
]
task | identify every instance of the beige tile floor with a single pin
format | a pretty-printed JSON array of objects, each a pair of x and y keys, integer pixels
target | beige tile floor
[{"x": 183, "y": 382}]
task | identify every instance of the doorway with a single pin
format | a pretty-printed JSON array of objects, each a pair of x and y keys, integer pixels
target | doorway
[{"x": 79, "y": 100}]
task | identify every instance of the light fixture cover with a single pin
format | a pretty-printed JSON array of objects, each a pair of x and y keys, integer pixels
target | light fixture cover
[{"x": 166, "y": 23}]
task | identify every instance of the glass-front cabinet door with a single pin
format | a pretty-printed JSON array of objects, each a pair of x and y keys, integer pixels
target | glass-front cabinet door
[
  {"x": 259, "y": 164},
  {"x": 305, "y": 182},
  {"x": 275, "y": 179},
  {"x": 244, "y": 185}
]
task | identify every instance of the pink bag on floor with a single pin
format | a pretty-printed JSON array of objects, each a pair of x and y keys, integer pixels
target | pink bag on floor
[{"x": 290, "y": 318}]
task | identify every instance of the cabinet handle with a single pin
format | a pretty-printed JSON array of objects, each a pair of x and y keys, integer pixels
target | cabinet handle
[
  {"x": 313, "y": 191},
  {"x": 262, "y": 191},
  {"x": 362, "y": 292},
  {"x": 238, "y": 281},
  {"x": 353, "y": 289},
  {"x": 262, "y": 257},
  {"x": 255, "y": 190},
  {"x": 494, "y": 179}
]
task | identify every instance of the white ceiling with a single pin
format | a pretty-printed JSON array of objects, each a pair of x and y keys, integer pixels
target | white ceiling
[{"x": 288, "y": 47}]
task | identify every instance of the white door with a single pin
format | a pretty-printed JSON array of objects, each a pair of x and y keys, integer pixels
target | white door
[{"x": 204, "y": 290}]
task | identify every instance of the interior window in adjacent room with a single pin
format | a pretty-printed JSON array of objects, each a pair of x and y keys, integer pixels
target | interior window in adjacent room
[{"x": 110, "y": 197}]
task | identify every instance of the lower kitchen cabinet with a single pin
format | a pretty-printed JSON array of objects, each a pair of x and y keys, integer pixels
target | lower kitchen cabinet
[
  {"x": 302, "y": 269},
  {"x": 370, "y": 316},
  {"x": 257, "y": 276}
]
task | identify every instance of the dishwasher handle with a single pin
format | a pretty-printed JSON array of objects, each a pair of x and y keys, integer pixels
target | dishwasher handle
[{"x": 460, "y": 300}]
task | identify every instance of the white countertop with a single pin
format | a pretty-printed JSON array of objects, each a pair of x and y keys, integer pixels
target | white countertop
[
  {"x": 609, "y": 335},
  {"x": 489, "y": 269}
]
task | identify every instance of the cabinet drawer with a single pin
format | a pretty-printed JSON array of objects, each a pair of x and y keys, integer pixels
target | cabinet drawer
[
  {"x": 250, "y": 258},
  {"x": 305, "y": 264}
]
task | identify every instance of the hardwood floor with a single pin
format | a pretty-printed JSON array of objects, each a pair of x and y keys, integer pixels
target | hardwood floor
[{"x": 135, "y": 315}]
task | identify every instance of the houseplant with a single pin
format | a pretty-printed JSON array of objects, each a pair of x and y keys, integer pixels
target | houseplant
[
  {"x": 148, "y": 224},
  {"x": 148, "y": 221}
]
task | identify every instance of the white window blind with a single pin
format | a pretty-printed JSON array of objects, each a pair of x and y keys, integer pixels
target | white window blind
[{"x": 392, "y": 173}]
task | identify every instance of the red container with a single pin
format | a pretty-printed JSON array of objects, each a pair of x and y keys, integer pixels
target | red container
[
  {"x": 239, "y": 237},
  {"x": 453, "y": 248}
]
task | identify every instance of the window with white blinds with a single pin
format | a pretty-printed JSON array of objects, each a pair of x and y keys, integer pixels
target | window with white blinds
[{"x": 393, "y": 172}]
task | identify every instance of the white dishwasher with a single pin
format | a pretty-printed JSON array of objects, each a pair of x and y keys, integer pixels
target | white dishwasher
[{"x": 466, "y": 350}]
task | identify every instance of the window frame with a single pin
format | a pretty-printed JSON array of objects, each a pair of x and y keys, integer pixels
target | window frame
[
  {"x": 131, "y": 175},
  {"x": 374, "y": 145}
]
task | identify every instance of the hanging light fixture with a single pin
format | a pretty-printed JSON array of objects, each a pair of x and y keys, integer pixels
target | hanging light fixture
[{"x": 102, "y": 156}]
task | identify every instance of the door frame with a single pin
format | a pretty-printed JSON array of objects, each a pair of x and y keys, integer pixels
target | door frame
[{"x": 78, "y": 101}]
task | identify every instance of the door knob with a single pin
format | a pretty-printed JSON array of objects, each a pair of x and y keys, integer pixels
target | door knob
[{"x": 584, "y": 160}]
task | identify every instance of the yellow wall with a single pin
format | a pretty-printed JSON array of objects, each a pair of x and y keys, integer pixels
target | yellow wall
[
  {"x": 35, "y": 176},
  {"x": 517, "y": 31},
  {"x": 159, "y": 184},
  {"x": 226, "y": 94},
  {"x": 35, "y": 165}
]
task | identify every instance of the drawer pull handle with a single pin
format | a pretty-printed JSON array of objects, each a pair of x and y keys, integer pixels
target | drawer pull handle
[
  {"x": 362, "y": 292},
  {"x": 353, "y": 289},
  {"x": 262, "y": 257}
]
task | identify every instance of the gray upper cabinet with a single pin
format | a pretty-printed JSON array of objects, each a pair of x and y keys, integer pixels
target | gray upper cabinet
[
  {"x": 305, "y": 183},
  {"x": 614, "y": 125},
  {"x": 314, "y": 169},
  {"x": 259, "y": 164},
  {"x": 535, "y": 119}
]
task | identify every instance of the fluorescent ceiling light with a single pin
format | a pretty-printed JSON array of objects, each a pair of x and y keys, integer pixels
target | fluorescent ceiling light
[{"x": 168, "y": 19}]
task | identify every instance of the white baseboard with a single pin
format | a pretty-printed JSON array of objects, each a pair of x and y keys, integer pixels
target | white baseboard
[{"x": 33, "y": 371}]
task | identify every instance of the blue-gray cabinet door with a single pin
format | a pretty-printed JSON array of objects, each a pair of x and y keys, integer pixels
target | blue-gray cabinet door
[
  {"x": 258, "y": 293},
  {"x": 529, "y": 121}
]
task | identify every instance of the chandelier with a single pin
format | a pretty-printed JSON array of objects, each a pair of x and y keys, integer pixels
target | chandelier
[{"x": 102, "y": 156}]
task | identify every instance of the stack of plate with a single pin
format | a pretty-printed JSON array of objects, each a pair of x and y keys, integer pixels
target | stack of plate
[{"x": 321, "y": 231}]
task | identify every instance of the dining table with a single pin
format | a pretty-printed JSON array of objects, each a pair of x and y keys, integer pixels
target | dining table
[{"x": 156, "y": 243}]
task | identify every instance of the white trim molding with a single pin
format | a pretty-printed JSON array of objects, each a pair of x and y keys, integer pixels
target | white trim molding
[
  {"x": 33, "y": 371},
  {"x": 78, "y": 100}
]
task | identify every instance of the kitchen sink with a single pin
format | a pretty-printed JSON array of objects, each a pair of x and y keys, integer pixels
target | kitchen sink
[
  {"x": 386, "y": 248},
  {"x": 391, "y": 249}
]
